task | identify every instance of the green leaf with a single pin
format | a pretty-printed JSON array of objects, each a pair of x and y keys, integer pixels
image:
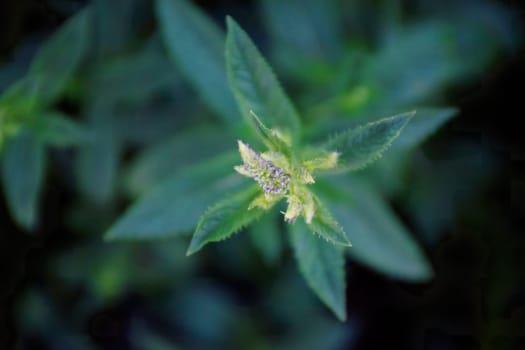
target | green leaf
[
  {"x": 133, "y": 78},
  {"x": 415, "y": 64},
  {"x": 255, "y": 86},
  {"x": 324, "y": 224},
  {"x": 61, "y": 55},
  {"x": 266, "y": 238},
  {"x": 116, "y": 24},
  {"x": 363, "y": 145},
  {"x": 322, "y": 266},
  {"x": 225, "y": 218},
  {"x": 271, "y": 138},
  {"x": 98, "y": 159},
  {"x": 316, "y": 31},
  {"x": 425, "y": 123},
  {"x": 379, "y": 239},
  {"x": 23, "y": 165},
  {"x": 174, "y": 206},
  {"x": 56, "y": 129},
  {"x": 166, "y": 157},
  {"x": 196, "y": 44}
]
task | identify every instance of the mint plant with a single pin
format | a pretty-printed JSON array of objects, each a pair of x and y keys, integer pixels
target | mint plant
[
  {"x": 153, "y": 104},
  {"x": 287, "y": 170},
  {"x": 280, "y": 169},
  {"x": 28, "y": 123}
]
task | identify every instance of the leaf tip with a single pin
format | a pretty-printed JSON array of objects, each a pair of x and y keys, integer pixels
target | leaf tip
[
  {"x": 340, "y": 314},
  {"x": 230, "y": 22},
  {"x": 194, "y": 247}
]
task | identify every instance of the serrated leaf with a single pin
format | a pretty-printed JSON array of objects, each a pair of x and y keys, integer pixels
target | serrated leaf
[
  {"x": 225, "y": 218},
  {"x": 196, "y": 44},
  {"x": 272, "y": 138},
  {"x": 266, "y": 238},
  {"x": 54, "y": 128},
  {"x": 363, "y": 145},
  {"x": 23, "y": 165},
  {"x": 424, "y": 124},
  {"x": 379, "y": 239},
  {"x": 60, "y": 56},
  {"x": 254, "y": 84},
  {"x": 173, "y": 207},
  {"x": 325, "y": 225},
  {"x": 322, "y": 266}
]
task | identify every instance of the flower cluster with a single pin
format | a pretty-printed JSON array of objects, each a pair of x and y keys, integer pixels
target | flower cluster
[
  {"x": 279, "y": 178},
  {"x": 269, "y": 176}
]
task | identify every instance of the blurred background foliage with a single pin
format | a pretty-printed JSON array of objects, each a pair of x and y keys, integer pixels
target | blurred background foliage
[{"x": 107, "y": 103}]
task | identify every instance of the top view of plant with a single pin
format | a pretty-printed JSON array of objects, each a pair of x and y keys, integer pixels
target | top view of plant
[{"x": 273, "y": 174}]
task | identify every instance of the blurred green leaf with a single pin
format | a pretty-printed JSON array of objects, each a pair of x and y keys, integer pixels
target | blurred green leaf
[
  {"x": 174, "y": 206},
  {"x": 425, "y": 122},
  {"x": 98, "y": 160},
  {"x": 379, "y": 239},
  {"x": 166, "y": 157},
  {"x": 57, "y": 129},
  {"x": 306, "y": 50},
  {"x": 225, "y": 218},
  {"x": 363, "y": 145},
  {"x": 133, "y": 78},
  {"x": 435, "y": 201},
  {"x": 255, "y": 86},
  {"x": 61, "y": 55},
  {"x": 413, "y": 65},
  {"x": 322, "y": 266},
  {"x": 23, "y": 166},
  {"x": 116, "y": 23},
  {"x": 20, "y": 104},
  {"x": 266, "y": 238},
  {"x": 317, "y": 29},
  {"x": 196, "y": 44}
]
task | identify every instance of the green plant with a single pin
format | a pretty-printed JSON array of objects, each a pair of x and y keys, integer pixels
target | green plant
[
  {"x": 290, "y": 169},
  {"x": 149, "y": 115}
]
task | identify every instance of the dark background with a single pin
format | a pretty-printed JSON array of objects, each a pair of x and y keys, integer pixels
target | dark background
[{"x": 483, "y": 256}]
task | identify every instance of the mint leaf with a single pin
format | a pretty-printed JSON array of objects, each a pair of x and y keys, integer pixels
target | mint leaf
[
  {"x": 98, "y": 160},
  {"x": 379, "y": 239},
  {"x": 173, "y": 207},
  {"x": 166, "y": 157},
  {"x": 324, "y": 224},
  {"x": 225, "y": 218},
  {"x": 54, "y": 128},
  {"x": 61, "y": 55},
  {"x": 196, "y": 44},
  {"x": 322, "y": 266},
  {"x": 424, "y": 124},
  {"x": 363, "y": 145},
  {"x": 254, "y": 84},
  {"x": 23, "y": 165}
]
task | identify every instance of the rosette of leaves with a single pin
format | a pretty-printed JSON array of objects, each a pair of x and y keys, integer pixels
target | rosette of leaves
[
  {"x": 287, "y": 171},
  {"x": 326, "y": 209}
]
